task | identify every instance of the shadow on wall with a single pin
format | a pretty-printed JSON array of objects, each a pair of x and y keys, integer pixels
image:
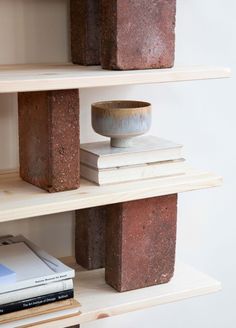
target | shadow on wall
[
  {"x": 9, "y": 158},
  {"x": 37, "y": 31}
]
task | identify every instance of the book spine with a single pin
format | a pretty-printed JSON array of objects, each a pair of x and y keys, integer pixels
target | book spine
[
  {"x": 30, "y": 292},
  {"x": 138, "y": 172},
  {"x": 36, "y": 301},
  {"x": 37, "y": 282}
]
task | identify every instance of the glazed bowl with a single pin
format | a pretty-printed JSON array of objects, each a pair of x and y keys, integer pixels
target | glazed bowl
[{"x": 121, "y": 120}]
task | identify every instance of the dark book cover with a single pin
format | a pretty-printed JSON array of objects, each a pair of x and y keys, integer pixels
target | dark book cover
[{"x": 36, "y": 301}]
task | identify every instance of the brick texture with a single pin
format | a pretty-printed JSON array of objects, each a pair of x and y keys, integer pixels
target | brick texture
[
  {"x": 49, "y": 139},
  {"x": 137, "y": 34},
  {"x": 85, "y": 31},
  {"x": 90, "y": 237},
  {"x": 140, "y": 242}
]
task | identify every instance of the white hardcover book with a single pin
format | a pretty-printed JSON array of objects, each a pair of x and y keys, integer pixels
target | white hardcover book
[
  {"x": 133, "y": 172},
  {"x": 146, "y": 149},
  {"x": 32, "y": 265},
  {"x": 30, "y": 292}
]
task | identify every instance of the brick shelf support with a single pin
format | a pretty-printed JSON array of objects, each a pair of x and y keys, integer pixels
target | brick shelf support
[
  {"x": 140, "y": 242},
  {"x": 139, "y": 238},
  {"x": 90, "y": 237},
  {"x": 49, "y": 139},
  {"x": 137, "y": 34},
  {"x": 85, "y": 31}
]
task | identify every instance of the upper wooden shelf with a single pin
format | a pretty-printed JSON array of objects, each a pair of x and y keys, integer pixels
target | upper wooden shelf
[
  {"x": 19, "y": 200},
  {"x": 19, "y": 78}
]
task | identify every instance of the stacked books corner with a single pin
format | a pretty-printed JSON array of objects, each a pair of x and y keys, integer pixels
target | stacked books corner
[
  {"x": 149, "y": 157},
  {"x": 34, "y": 286}
]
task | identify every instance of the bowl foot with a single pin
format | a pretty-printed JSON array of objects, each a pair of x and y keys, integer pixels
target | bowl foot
[{"x": 122, "y": 142}]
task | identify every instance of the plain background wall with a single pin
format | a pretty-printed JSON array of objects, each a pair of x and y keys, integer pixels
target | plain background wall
[{"x": 201, "y": 115}]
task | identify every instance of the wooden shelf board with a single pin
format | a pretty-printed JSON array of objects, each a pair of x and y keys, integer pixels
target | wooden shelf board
[
  {"x": 19, "y": 200},
  {"x": 19, "y": 78},
  {"x": 99, "y": 301}
]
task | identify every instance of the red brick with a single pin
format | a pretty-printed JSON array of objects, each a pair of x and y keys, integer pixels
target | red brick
[
  {"x": 140, "y": 242},
  {"x": 137, "y": 34},
  {"x": 90, "y": 237},
  {"x": 85, "y": 31},
  {"x": 49, "y": 139}
]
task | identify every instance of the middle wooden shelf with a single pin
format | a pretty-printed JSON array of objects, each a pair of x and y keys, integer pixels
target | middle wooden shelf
[{"x": 21, "y": 200}]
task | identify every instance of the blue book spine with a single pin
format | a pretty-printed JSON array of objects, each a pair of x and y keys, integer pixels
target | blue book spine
[{"x": 36, "y": 301}]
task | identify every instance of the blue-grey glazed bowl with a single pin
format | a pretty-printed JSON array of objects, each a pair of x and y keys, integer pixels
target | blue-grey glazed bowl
[{"x": 121, "y": 120}]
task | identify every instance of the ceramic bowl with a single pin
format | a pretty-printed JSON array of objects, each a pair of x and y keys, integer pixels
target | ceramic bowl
[{"x": 121, "y": 120}]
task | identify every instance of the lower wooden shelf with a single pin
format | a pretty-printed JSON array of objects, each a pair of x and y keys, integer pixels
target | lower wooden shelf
[
  {"x": 20, "y": 200},
  {"x": 99, "y": 301}
]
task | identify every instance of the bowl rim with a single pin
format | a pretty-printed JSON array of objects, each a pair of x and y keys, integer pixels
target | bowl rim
[{"x": 138, "y": 104}]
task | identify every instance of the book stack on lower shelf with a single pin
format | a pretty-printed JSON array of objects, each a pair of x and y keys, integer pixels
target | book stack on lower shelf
[
  {"x": 34, "y": 286},
  {"x": 149, "y": 157}
]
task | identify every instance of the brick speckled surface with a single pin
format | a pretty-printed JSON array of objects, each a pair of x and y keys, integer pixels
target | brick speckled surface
[
  {"x": 90, "y": 237},
  {"x": 140, "y": 242},
  {"x": 85, "y": 31},
  {"x": 49, "y": 139},
  {"x": 137, "y": 34}
]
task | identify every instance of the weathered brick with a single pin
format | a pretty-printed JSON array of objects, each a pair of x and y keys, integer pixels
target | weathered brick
[
  {"x": 137, "y": 34},
  {"x": 140, "y": 242},
  {"x": 90, "y": 237},
  {"x": 49, "y": 139},
  {"x": 85, "y": 31}
]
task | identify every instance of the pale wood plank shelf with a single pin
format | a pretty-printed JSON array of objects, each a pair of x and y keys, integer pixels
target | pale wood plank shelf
[
  {"x": 99, "y": 301},
  {"x": 19, "y": 200},
  {"x": 18, "y": 78}
]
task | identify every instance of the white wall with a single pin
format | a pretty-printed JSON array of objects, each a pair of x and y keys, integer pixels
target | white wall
[{"x": 201, "y": 115}]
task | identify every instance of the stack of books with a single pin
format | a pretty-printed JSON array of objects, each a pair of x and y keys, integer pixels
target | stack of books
[
  {"x": 34, "y": 286},
  {"x": 149, "y": 157}
]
